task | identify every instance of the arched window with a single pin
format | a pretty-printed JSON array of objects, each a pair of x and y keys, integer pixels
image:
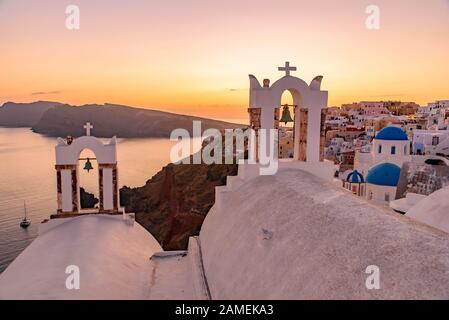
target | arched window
[
  {"x": 405, "y": 150},
  {"x": 393, "y": 150},
  {"x": 380, "y": 149}
]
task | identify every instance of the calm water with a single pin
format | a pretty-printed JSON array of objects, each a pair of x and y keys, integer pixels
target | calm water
[{"x": 27, "y": 173}]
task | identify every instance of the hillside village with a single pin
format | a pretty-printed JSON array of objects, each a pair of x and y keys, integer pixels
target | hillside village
[{"x": 402, "y": 140}]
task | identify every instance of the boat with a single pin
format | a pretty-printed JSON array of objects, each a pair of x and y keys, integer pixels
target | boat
[{"x": 25, "y": 223}]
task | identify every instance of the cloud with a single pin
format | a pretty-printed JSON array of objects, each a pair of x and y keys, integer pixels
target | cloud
[
  {"x": 40, "y": 93},
  {"x": 233, "y": 89}
]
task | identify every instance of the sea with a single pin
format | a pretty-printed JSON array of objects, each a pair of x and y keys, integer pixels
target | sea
[{"x": 28, "y": 179}]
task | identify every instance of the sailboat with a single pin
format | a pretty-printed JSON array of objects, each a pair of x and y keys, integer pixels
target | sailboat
[{"x": 25, "y": 223}]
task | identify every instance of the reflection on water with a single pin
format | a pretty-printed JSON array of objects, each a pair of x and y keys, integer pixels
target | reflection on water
[{"x": 27, "y": 173}]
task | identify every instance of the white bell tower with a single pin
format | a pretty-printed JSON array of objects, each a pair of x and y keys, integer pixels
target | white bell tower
[{"x": 67, "y": 157}]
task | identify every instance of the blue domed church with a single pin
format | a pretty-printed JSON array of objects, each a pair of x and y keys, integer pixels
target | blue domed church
[
  {"x": 355, "y": 182},
  {"x": 391, "y": 144},
  {"x": 382, "y": 166}
]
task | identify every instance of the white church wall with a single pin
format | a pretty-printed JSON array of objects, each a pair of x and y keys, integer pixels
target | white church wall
[
  {"x": 108, "y": 200},
  {"x": 66, "y": 188},
  {"x": 402, "y": 152},
  {"x": 69, "y": 154},
  {"x": 382, "y": 194},
  {"x": 313, "y": 135},
  {"x": 364, "y": 161}
]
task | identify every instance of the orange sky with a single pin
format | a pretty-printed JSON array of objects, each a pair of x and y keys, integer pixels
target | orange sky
[{"x": 193, "y": 56}]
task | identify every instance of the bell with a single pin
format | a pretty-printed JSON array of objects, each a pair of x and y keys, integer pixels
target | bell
[
  {"x": 88, "y": 165},
  {"x": 286, "y": 117}
]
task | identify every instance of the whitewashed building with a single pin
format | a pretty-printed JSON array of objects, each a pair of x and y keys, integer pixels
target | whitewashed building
[{"x": 431, "y": 142}]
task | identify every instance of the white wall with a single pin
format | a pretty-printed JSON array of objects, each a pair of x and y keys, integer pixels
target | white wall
[
  {"x": 108, "y": 198},
  {"x": 66, "y": 188},
  {"x": 402, "y": 152},
  {"x": 69, "y": 154},
  {"x": 377, "y": 193}
]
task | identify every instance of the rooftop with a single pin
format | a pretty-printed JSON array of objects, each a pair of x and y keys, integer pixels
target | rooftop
[{"x": 311, "y": 240}]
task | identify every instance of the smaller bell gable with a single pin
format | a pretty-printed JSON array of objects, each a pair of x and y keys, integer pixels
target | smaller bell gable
[{"x": 68, "y": 154}]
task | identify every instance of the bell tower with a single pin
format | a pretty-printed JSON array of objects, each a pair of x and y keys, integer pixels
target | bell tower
[
  {"x": 307, "y": 113},
  {"x": 67, "y": 158},
  {"x": 309, "y": 107}
]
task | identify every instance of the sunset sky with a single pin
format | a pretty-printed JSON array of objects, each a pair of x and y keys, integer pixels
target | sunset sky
[{"x": 194, "y": 56}]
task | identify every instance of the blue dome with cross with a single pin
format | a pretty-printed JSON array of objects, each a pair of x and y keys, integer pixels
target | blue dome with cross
[
  {"x": 355, "y": 177},
  {"x": 384, "y": 174},
  {"x": 392, "y": 133}
]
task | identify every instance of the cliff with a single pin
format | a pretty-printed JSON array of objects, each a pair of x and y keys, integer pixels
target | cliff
[
  {"x": 123, "y": 121},
  {"x": 173, "y": 204}
]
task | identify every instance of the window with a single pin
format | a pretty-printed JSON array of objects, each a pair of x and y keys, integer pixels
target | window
[
  {"x": 435, "y": 141},
  {"x": 387, "y": 197},
  {"x": 380, "y": 149},
  {"x": 405, "y": 150},
  {"x": 393, "y": 150}
]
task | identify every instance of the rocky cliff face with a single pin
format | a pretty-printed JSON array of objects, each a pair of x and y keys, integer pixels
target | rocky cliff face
[
  {"x": 87, "y": 199},
  {"x": 173, "y": 204}
]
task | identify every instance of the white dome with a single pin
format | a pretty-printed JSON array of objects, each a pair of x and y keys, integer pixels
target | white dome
[{"x": 433, "y": 210}]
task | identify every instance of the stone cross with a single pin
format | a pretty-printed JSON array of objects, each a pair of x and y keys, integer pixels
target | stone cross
[
  {"x": 88, "y": 126},
  {"x": 287, "y": 68}
]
